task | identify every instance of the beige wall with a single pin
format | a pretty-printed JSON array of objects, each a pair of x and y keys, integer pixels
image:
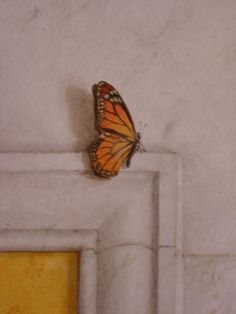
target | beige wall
[{"x": 174, "y": 63}]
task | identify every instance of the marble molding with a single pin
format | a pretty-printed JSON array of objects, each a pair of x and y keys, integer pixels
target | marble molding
[
  {"x": 210, "y": 284},
  {"x": 128, "y": 229}
]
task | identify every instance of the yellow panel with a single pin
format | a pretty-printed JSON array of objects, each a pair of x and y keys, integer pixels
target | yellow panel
[{"x": 38, "y": 283}]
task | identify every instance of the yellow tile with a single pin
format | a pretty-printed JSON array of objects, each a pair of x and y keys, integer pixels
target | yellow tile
[{"x": 38, "y": 283}]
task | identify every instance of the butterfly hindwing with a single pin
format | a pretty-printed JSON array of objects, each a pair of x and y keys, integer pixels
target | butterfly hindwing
[
  {"x": 108, "y": 153},
  {"x": 117, "y": 140}
]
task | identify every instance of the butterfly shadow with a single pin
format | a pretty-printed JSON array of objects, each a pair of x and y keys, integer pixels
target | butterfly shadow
[{"x": 81, "y": 116}]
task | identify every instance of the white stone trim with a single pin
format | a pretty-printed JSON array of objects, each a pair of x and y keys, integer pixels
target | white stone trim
[
  {"x": 179, "y": 294},
  {"x": 47, "y": 240},
  {"x": 88, "y": 282},
  {"x": 166, "y": 171}
]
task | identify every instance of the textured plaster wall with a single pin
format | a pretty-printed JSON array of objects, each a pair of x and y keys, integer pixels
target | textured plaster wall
[{"x": 174, "y": 63}]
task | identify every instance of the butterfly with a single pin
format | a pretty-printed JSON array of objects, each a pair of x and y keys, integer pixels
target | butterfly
[{"x": 117, "y": 140}]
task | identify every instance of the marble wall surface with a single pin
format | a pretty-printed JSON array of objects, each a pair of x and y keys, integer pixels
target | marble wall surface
[{"x": 174, "y": 63}]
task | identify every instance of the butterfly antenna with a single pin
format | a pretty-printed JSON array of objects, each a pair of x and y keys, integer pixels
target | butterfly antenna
[{"x": 142, "y": 127}]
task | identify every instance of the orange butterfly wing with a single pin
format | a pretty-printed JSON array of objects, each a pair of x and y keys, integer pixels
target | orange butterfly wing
[{"x": 118, "y": 140}]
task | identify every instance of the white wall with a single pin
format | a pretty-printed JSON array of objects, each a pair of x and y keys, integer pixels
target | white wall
[{"x": 174, "y": 63}]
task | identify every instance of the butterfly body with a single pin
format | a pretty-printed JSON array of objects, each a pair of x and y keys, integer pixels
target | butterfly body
[{"x": 117, "y": 140}]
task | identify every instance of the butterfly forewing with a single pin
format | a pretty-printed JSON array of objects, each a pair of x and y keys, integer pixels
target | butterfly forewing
[
  {"x": 111, "y": 113},
  {"x": 117, "y": 140}
]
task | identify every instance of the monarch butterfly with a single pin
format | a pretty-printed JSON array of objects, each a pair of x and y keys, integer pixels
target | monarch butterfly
[{"x": 117, "y": 140}]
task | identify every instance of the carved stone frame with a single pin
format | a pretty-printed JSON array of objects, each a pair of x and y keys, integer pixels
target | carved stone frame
[{"x": 98, "y": 254}]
